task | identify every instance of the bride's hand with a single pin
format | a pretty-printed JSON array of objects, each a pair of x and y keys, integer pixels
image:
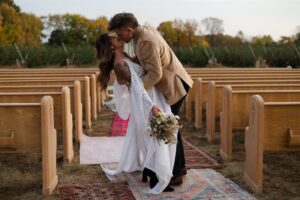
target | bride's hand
[{"x": 155, "y": 110}]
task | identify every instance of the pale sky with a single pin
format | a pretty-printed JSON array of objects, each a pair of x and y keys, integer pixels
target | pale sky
[{"x": 253, "y": 17}]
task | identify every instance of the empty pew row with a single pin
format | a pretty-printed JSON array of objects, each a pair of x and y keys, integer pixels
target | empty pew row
[
  {"x": 62, "y": 113},
  {"x": 39, "y": 136},
  {"x": 196, "y": 88},
  {"x": 235, "y": 112},
  {"x": 201, "y": 90},
  {"x": 92, "y": 90},
  {"x": 257, "y": 74},
  {"x": 75, "y": 97},
  {"x": 215, "y": 100},
  {"x": 273, "y": 126},
  {"x": 237, "y": 69},
  {"x": 54, "y": 69},
  {"x": 236, "y": 77},
  {"x": 60, "y": 73},
  {"x": 85, "y": 94}
]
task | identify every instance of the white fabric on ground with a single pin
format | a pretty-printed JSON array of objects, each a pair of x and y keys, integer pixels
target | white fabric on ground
[{"x": 98, "y": 150}]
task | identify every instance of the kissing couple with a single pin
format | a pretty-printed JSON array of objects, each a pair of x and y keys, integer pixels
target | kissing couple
[{"x": 152, "y": 82}]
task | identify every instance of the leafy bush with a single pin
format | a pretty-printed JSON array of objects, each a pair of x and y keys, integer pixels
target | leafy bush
[
  {"x": 48, "y": 55},
  {"x": 234, "y": 56}
]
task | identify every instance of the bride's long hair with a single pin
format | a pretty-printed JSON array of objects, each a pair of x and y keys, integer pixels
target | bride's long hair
[{"x": 106, "y": 57}]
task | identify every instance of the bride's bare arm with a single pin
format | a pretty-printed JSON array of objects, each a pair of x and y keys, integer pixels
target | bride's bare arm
[{"x": 122, "y": 72}]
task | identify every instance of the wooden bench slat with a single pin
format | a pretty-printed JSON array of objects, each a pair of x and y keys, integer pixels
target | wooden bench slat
[
  {"x": 63, "y": 116},
  {"x": 85, "y": 88},
  {"x": 268, "y": 129},
  {"x": 235, "y": 112},
  {"x": 38, "y": 136},
  {"x": 75, "y": 92}
]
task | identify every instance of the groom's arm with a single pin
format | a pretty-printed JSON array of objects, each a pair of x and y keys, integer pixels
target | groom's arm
[{"x": 150, "y": 60}]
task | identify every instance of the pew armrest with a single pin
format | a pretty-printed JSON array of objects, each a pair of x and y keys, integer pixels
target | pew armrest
[
  {"x": 294, "y": 138},
  {"x": 8, "y": 142}
]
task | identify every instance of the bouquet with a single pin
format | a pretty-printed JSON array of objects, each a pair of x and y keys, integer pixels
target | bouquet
[{"x": 163, "y": 126}]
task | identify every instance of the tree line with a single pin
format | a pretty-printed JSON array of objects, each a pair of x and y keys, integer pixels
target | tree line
[{"x": 72, "y": 31}]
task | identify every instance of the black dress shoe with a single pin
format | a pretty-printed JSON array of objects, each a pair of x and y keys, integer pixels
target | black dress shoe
[
  {"x": 145, "y": 175},
  {"x": 153, "y": 179},
  {"x": 169, "y": 189},
  {"x": 183, "y": 171},
  {"x": 176, "y": 180}
]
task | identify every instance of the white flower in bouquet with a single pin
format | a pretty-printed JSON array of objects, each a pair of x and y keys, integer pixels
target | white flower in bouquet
[{"x": 162, "y": 128}]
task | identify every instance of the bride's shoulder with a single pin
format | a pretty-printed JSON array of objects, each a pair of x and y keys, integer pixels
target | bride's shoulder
[
  {"x": 120, "y": 64},
  {"x": 121, "y": 68}
]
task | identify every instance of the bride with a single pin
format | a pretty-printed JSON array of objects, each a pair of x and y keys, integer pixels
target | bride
[{"x": 139, "y": 150}]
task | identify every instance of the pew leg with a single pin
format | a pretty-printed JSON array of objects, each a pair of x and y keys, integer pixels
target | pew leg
[
  {"x": 254, "y": 162},
  {"x": 99, "y": 100},
  {"x": 198, "y": 105},
  {"x": 49, "y": 146},
  {"x": 198, "y": 114},
  {"x": 226, "y": 139}
]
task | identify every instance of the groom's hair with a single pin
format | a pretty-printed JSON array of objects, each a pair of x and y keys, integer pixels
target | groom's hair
[{"x": 121, "y": 20}]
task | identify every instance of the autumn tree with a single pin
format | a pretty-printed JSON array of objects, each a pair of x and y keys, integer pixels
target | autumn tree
[
  {"x": 31, "y": 27},
  {"x": 1, "y": 30},
  {"x": 181, "y": 34},
  {"x": 95, "y": 28},
  {"x": 168, "y": 32},
  {"x": 190, "y": 28},
  {"x": 285, "y": 40},
  {"x": 213, "y": 27},
  {"x": 74, "y": 29},
  {"x": 11, "y": 3},
  {"x": 19, "y": 28},
  {"x": 262, "y": 40},
  {"x": 11, "y": 25}
]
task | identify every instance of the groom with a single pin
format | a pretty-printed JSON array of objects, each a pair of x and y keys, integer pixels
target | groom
[{"x": 163, "y": 70}]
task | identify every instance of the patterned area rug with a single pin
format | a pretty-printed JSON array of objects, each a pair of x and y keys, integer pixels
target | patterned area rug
[
  {"x": 197, "y": 159},
  {"x": 95, "y": 191},
  {"x": 197, "y": 184}
]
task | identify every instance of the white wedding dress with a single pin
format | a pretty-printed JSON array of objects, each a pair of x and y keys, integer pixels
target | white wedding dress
[{"x": 139, "y": 149}]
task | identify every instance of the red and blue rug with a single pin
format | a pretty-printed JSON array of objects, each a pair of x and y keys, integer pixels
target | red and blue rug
[{"x": 197, "y": 184}]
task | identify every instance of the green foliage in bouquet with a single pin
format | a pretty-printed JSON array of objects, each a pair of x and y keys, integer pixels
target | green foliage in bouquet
[{"x": 162, "y": 128}]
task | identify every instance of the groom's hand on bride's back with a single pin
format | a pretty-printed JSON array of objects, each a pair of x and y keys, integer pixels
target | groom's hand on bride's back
[{"x": 155, "y": 110}]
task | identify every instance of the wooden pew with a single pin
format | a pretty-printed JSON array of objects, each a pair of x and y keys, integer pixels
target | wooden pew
[
  {"x": 201, "y": 89},
  {"x": 55, "y": 69},
  {"x": 235, "y": 112},
  {"x": 75, "y": 94},
  {"x": 93, "y": 83},
  {"x": 38, "y": 135},
  {"x": 61, "y": 72},
  {"x": 62, "y": 113},
  {"x": 236, "y": 77},
  {"x": 236, "y": 69},
  {"x": 92, "y": 86},
  {"x": 200, "y": 71},
  {"x": 273, "y": 126},
  {"x": 86, "y": 100},
  {"x": 215, "y": 100}
]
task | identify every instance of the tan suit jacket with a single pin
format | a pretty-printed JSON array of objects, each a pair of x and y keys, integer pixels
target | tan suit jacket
[{"x": 163, "y": 69}]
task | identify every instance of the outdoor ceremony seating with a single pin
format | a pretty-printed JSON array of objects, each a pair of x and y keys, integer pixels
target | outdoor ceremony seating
[
  {"x": 62, "y": 113},
  {"x": 75, "y": 97},
  {"x": 272, "y": 126},
  {"x": 39, "y": 136},
  {"x": 215, "y": 100},
  {"x": 235, "y": 112}
]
